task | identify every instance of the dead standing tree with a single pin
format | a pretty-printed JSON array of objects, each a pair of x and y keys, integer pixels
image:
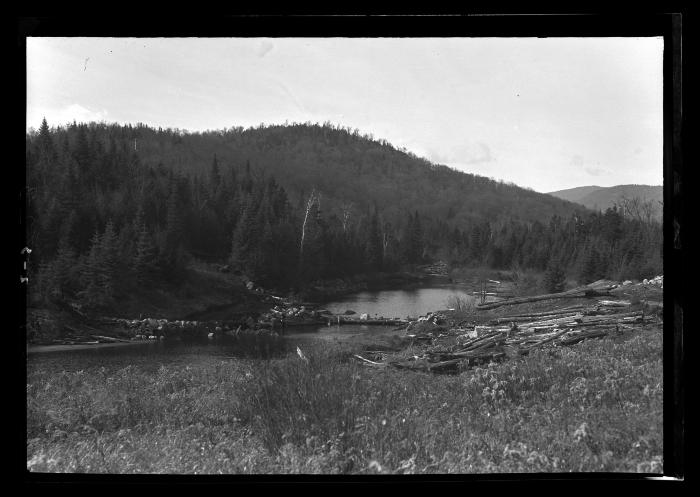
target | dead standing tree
[
  {"x": 314, "y": 198},
  {"x": 347, "y": 211}
]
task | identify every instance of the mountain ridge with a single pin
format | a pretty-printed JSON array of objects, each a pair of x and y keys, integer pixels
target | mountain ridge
[
  {"x": 601, "y": 198},
  {"x": 347, "y": 167}
]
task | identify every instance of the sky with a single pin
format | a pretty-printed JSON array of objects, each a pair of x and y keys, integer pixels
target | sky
[{"x": 543, "y": 113}]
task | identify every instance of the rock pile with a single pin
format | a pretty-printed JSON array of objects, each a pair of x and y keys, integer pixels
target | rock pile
[
  {"x": 152, "y": 329},
  {"x": 292, "y": 313},
  {"x": 657, "y": 281}
]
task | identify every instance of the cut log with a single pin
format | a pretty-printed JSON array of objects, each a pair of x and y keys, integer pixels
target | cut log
[
  {"x": 563, "y": 310},
  {"x": 579, "y": 337},
  {"x": 475, "y": 342},
  {"x": 109, "y": 339},
  {"x": 614, "y": 303},
  {"x": 597, "y": 289},
  {"x": 370, "y": 363},
  {"x": 547, "y": 340},
  {"x": 533, "y": 318}
]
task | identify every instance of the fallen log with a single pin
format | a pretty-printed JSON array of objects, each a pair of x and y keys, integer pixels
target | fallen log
[
  {"x": 532, "y": 318},
  {"x": 548, "y": 322},
  {"x": 371, "y": 363},
  {"x": 579, "y": 337},
  {"x": 483, "y": 338},
  {"x": 109, "y": 339},
  {"x": 547, "y": 340},
  {"x": 614, "y": 303},
  {"x": 562, "y": 310},
  {"x": 597, "y": 289}
]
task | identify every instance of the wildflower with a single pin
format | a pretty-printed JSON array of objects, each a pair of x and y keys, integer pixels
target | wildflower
[{"x": 581, "y": 432}]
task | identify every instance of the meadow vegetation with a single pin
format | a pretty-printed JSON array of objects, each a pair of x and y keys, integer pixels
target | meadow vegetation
[{"x": 593, "y": 407}]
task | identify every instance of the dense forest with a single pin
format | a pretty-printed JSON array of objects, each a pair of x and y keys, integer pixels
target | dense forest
[{"x": 111, "y": 208}]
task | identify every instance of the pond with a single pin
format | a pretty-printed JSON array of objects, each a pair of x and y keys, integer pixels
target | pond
[
  {"x": 402, "y": 303},
  {"x": 397, "y": 303}
]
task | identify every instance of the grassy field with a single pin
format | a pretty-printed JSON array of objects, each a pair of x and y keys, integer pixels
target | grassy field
[{"x": 593, "y": 407}]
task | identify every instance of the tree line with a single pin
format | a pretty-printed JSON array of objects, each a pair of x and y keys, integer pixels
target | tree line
[{"x": 108, "y": 214}]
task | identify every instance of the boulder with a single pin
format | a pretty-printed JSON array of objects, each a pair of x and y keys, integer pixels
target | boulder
[
  {"x": 364, "y": 317},
  {"x": 250, "y": 285}
]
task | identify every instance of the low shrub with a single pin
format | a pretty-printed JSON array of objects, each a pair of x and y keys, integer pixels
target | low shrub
[{"x": 596, "y": 406}]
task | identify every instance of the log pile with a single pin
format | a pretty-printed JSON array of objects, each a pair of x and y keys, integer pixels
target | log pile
[
  {"x": 596, "y": 289},
  {"x": 513, "y": 336}
]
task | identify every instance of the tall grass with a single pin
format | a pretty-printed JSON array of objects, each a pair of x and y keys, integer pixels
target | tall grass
[
  {"x": 461, "y": 303},
  {"x": 593, "y": 407}
]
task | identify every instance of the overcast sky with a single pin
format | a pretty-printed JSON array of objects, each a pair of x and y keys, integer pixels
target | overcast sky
[{"x": 544, "y": 113}]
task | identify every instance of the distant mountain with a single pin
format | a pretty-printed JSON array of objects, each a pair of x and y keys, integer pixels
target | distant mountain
[{"x": 601, "y": 198}]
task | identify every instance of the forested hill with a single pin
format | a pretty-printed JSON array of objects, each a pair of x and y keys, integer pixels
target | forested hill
[
  {"x": 345, "y": 166},
  {"x": 112, "y": 208}
]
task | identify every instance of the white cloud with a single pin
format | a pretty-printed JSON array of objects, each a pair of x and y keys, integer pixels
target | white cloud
[{"x": 65, "y": 115}]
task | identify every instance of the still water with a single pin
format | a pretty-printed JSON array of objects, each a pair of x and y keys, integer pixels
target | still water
[
  {"x": 400, "y": 303},
  {"x": 386, "y": 303}
]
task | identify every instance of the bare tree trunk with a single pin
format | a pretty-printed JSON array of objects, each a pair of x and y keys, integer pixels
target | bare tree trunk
[
  {"x": 309, "y": 205},
  {"x": 347, "y": 209}
]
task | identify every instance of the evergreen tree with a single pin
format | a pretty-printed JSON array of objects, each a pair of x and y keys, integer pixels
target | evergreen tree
[
  {"x": 145, "y": 256},
  {"x": 374, "y": 244},
  {"x": 214, "y": 175},
  {"x": 96, "y": 292},
  {"x": 555, "y": 277}
]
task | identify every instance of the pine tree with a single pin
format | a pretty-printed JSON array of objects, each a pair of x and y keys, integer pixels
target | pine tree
[
  {"x": 145, "y": 256},
  {"x": 555, "y": 277},
  {"x": 214, "y": 175},
  {"x": 593, "y": 267},
  {"x": 92, "y": 269},
  {"x": 108, "y": 259},
  {"x": 374, "y": 244},
  {"x": 174, "y": 224},
  {"x": 417, "y": 239}
]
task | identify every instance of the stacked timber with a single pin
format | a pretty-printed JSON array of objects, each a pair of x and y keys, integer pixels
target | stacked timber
[
  {"x": 513, "y": 336},
  {"x": 596, "y": 289}
]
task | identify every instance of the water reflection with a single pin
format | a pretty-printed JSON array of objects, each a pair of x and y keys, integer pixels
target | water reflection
[
  {"x": 387, "y": 303},
  {"x": 400, "y": 303}
]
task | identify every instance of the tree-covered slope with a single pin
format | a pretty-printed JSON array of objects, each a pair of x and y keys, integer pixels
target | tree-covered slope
[
  {"x": 348, "y": 167},
  {"x": 115, "y": 209}
]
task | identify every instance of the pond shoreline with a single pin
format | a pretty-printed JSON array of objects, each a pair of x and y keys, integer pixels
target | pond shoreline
[{"x": 40, "y": 349}]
